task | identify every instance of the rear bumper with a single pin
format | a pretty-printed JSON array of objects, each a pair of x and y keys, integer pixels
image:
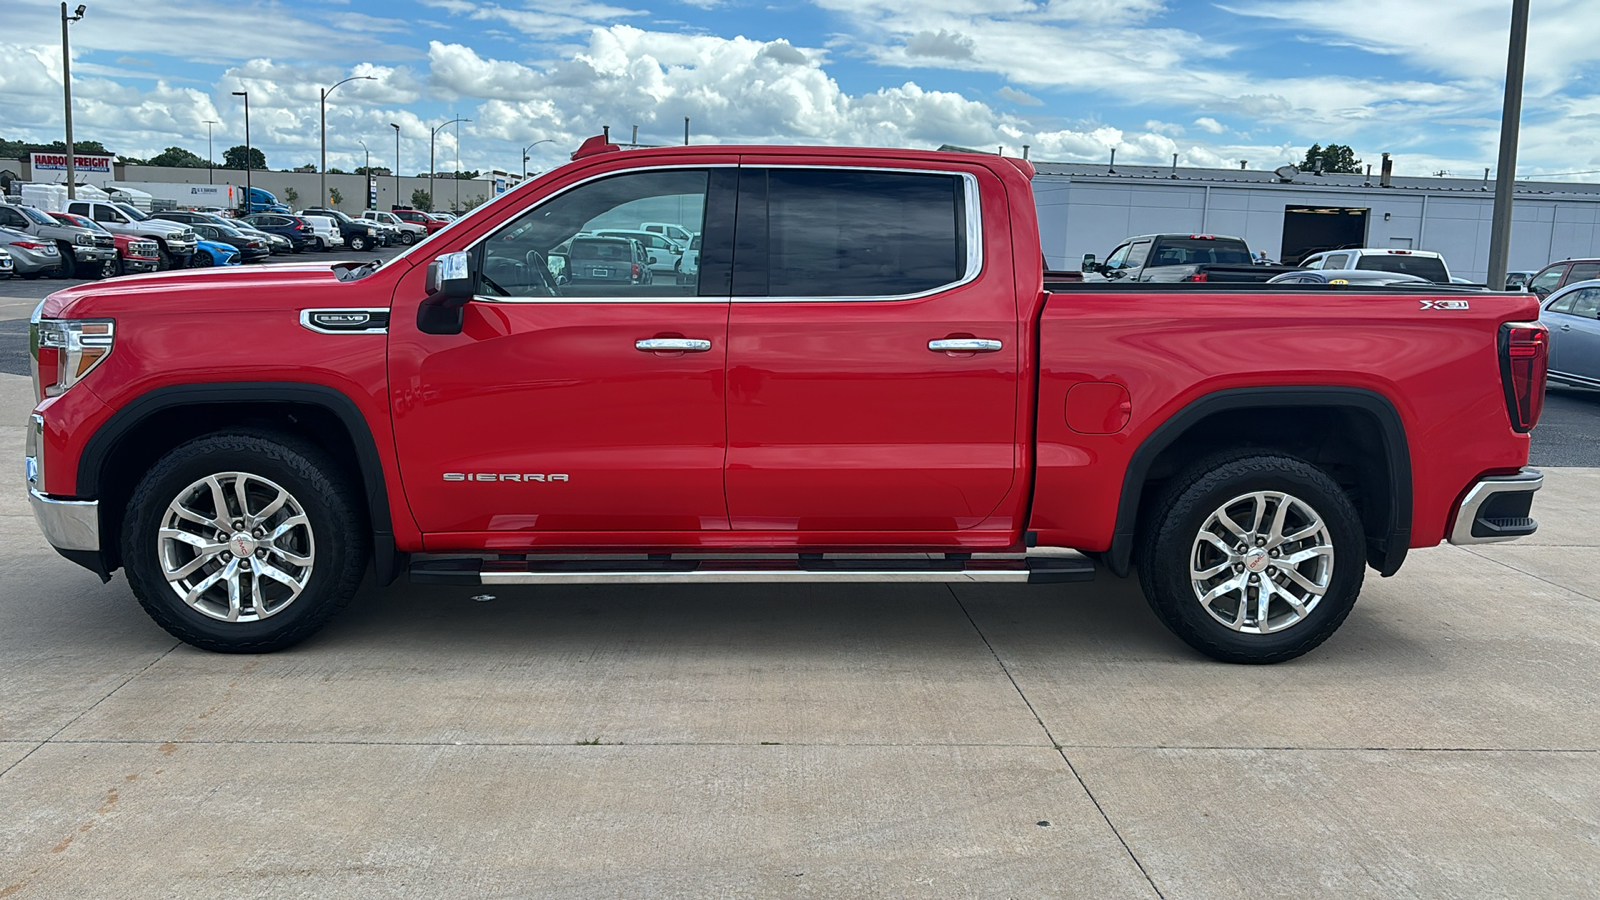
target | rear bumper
[{"x": 1496, "y": 509}]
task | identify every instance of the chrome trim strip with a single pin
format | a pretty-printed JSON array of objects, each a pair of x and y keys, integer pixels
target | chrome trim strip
[
  {"x": 305, "y": 319},
  {"x": 749, "y": 576},
  {"x": 1526, "y": 481},
  {"x": 67, "y": 524},
  {"x": 33, "y": 453}
]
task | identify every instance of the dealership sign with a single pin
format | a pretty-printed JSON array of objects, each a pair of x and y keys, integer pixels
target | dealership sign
[{"x": 80, "y": 162}]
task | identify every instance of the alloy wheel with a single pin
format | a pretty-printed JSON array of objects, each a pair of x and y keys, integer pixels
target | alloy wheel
[{"x": 1261, "y": 562}]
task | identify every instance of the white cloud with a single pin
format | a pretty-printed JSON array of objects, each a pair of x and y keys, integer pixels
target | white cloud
[
  {"x": 1206, "y": 123},
  {"x": 944, "y": 45},
  {"x": 1019, "y": 97}
]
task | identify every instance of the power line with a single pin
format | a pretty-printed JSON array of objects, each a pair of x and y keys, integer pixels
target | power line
[{"x": 1560, "y": 174}]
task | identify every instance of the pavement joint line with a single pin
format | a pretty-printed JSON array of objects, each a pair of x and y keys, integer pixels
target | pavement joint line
[
  {"x": 91, "y": 708},
  {"x": 1533, "y": 576},
  {"x": 1057, "y": 744},
  {"x": 1200, "y": 748}
]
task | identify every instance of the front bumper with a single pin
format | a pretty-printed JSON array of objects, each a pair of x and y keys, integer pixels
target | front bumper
[
  {"x": 67, "y": 524},
  {"x": 94, "y": 254},
  {"x": 136, "y": 264},
  {"x": 1496, "y": 509}
]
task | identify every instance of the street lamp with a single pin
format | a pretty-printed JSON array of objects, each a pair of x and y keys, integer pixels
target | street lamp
[
  {"x": 430, "y": 153},
  {"x": 247, "y": 190},
  {"x": 525, "y": 154},
  {"x": 396, "y": 167},
  {"x": 66, "y": 92},
  {"x": 322, "y": 105},
  {"x": 209, "y": 165},
  {"x": 366, "y": 170}
]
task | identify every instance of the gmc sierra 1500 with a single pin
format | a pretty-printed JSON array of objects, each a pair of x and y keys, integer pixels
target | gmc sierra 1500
[{"x": 867, "y": 360}]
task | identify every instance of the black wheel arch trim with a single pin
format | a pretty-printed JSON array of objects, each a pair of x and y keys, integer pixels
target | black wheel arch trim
[
  {"x": 1385, "y": 554},
  {"x": 387, "y": 560}
]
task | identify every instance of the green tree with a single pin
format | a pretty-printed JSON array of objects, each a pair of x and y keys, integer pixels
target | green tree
[
  {"x": 234, "y": 158},
  {"x": 375, "y": 170},
  {"x": 420, "y": 199},
  {"x": 337, "y": 171},
  {"x": 467, "y": 175},
  {"x": 1336, "y": 158},
  {"x": 21, "y": 149},
  {"x": 336, "y": 197},
  {"x": 291, "y": 196},
  {"x": 176, "y": 156}
]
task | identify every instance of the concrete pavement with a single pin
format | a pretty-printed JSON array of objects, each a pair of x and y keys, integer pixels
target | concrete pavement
[{"x": 809, "y": 740}]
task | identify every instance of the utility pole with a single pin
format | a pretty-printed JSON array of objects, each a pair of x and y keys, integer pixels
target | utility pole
[
  {"x": 366, "y": 171},
  {"x": 66, "y": 91},
  {"x": 248, "y": 200},
  {"x": 686, "y": 131},
  {"x": 323, "y": 107},
  {"x": 431, "y": 136},
  {"x": 1505, "y": 183},
  {"x": 396, "y": 167},
  {"x": 209, "y": 164}
]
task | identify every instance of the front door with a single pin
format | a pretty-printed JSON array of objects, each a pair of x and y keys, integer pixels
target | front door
[
  {"x": 873, "y": 353},
  {"x": 567, "y": 406}
]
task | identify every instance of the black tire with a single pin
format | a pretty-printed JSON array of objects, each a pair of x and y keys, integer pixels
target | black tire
[
  {"x": 316, "y": 483},
  {"x": 69, "y": 263},
  {"x": 358, "y": 243},
  {"x": 118, "y": 268},
  {"x": 322, "y": 245},
  {"x": 407, "y": 238},
  {"x": 201, "y": 260},
  {"x": 1169, "y": 542},
  {"x": 165, "y": 259}
]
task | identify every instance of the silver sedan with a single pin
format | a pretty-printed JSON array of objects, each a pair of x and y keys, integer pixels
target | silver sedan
[{"x": 1573, "y": 316}]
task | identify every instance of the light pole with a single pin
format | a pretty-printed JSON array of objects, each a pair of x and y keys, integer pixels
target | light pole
[
  {"x": 322, "y": 106},
  {"x": 396, "y": 167},
  {"x": 366, "y": 170},
  {"x": 431, "y": 136},
  {"x": 525, "y": 154},
  {"x": 66, "y": 92},
  {"x": 1505, "y": 183},
  {"x": 209, "y": 165},
  {"x": 248, "y": 199}
]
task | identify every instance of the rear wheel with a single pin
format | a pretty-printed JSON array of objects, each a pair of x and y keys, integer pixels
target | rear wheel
[
  {"x": 1253, "y": 558},
  {"x": 243, "y": 542}
]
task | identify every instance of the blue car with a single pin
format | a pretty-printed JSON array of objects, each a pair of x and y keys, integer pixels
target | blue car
[
  {"x": 1573, "y": 316},
  {"x": 213, "y": 253}
]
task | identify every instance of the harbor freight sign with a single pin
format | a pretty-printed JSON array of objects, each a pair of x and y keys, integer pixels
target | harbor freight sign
[{"x": 100, "y": 164}]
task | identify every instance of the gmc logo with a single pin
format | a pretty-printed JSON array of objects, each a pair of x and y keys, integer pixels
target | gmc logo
[{"x": 501, "y": 476}]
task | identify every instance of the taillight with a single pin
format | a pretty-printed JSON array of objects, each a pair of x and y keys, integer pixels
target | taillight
[
  {"x": 636, "y": 271},
  {"x": 1198, "y": 276},
  {"x": 1524, "y": 361},
  {"x": 65, "y": 350}
]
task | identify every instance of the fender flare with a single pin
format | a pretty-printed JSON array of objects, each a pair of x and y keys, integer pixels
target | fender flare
[
  {"x": 1384, "y": 554},
  {"x": 387, "y": 560}
]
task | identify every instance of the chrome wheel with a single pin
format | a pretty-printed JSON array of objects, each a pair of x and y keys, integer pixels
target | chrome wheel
[
  {"x": 1261, "y": 562},
  {"x": 236, "y": 547}
]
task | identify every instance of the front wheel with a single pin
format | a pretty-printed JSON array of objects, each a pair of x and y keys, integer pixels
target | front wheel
[
  {"x": 244, "y": 542},
  {"x": 358, "y": 244},
  {"x": 1253, "y": 558},
  {"x": 69, "y": 263},
  {"x": 407, "y": 238},
  {"x": 200, "y": 260}
]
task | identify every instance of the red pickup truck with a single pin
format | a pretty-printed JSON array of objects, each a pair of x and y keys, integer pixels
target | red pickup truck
[{"x": 867, "y": 378}]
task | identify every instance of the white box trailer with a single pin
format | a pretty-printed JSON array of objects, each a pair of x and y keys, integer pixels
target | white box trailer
[{"x": 224, "y": 196}]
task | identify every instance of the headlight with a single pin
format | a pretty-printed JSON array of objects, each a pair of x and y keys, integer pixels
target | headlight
[
  {"x": 85, "y": 239},
  {"x": 65, "y": 350}
]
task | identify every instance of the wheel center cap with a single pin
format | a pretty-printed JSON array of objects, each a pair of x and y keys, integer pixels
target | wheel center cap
[
  {"x": 242, "y": 544},
  {"x": 1255, "y": 560}
]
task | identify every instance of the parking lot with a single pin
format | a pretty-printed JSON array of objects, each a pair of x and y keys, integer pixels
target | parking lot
[{"x": 811, "y": 740}]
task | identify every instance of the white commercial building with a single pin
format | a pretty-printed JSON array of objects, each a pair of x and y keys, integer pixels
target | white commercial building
[{"x": 1089, "y": 208}]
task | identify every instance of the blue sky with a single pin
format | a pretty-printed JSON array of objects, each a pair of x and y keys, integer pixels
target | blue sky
[{"x": 1213, "y": 82}]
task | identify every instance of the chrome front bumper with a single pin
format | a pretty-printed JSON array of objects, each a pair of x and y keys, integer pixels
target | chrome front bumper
[
  {"x": 67, "y": 524},
  {"x": 1496, "y": 509}
]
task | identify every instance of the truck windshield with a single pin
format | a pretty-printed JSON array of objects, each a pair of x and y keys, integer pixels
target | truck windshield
[
  {"x": 1429, "y": 267},
  {"x": 132, "y": 211},
  {"x": 1199, "y": 252},
  {"x": 35, "y": 215}
]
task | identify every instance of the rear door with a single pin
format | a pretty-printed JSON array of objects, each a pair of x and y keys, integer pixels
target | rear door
[
  {"x": 1574, "y": 322},
  {"x": 873, "y": 352}
]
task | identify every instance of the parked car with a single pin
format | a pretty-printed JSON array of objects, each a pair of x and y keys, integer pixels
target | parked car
[
  {"x": 428, "y": 223},
  {"x": 134, "y": 254},
  {"x": 7, "y": 267},
  {"x": 1345, "y": 276},
  {"x": 890, "y": 378},
  {"x": 326, "y": 228},
  {"x": 358, "y": 236},
  {"x": 31, "y": 256},
  {"x": 607, "y": 259},
  {"x": 1558, "y": 275},
  {"x": 294, "y": 229},
  {"x": 85, "y": 252},
  {"x": 175, "y": 240},
  {"x": 1518, "y": 281},
  {"x": 689, "y": 272},
  {"x": 671, "y": 230},
  {"x": 1192, "y": 258},
  {"x": 251, "y": 249},
  {"x": 664, "y": 255},
  {"x": 214, "y": 253},
  {"x": 1422, "y": 263},
  {"x": 408, "y": 232},
  {"x": 1572, "y": 313},
  {"x": 275, "y": 243}
]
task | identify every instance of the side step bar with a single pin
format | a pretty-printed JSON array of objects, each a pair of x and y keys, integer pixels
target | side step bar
[{"x": 666, "y": 570}]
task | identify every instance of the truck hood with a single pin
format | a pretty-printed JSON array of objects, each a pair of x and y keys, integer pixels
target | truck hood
[{"x": 229, "y": 288}]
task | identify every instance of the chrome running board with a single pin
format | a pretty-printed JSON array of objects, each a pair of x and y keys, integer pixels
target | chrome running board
[{"x": 669, "y": 569}]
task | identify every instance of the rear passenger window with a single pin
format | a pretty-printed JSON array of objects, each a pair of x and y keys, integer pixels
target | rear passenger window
[
  {"x": 1583, "y": 271},
  {"x": 836, "y": 233}
]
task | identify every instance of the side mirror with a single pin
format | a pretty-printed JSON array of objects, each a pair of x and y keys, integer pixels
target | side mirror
[
  {"x": 449, "y": 284},
  {"x": 1088, "y": 262}
]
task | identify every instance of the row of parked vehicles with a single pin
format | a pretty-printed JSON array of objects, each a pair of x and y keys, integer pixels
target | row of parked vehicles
[{"x": 97, "y": 238}]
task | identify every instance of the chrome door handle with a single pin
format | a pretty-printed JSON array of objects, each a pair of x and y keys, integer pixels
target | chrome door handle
[
  {"x": 672, "y": 345},
  {"x": 964, "y": 345},
  {"x": 1566, "y": 328}
]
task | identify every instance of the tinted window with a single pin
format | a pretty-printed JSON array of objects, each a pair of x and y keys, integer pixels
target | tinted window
[
  {"x": 553, "y": 249},
  {"x": 1200, "y": 252},
  {"x": 1583, "y": 271},
  {"x": 1428, "y": 267},
  {"x": 11, "y": 218},
  {"x": 862, "y": 234}
]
